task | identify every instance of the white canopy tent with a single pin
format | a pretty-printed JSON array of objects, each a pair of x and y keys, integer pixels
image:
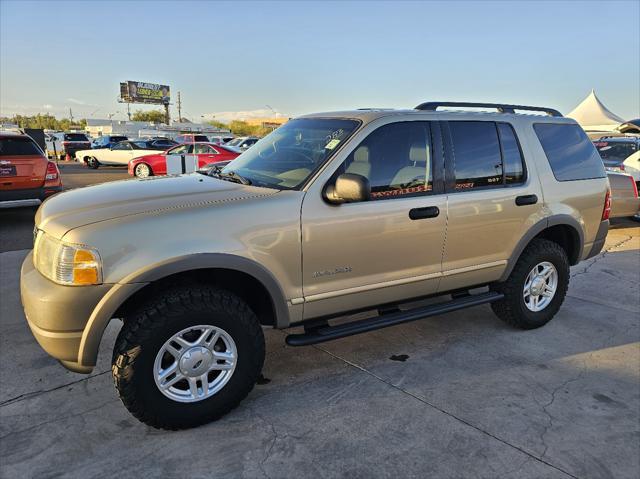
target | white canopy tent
[{"x": 593, "y": 116}]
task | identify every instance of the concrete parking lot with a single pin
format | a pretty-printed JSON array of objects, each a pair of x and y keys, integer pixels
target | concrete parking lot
[{"x": 460, "y": 395}]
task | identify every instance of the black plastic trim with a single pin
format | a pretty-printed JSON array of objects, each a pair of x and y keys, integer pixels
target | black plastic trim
[
  {"x": 325, "y": 332},
  {"x": 424, "y": 213},
  {"x": 502, "y": 108},
  {"x": 526, "y": 200}
]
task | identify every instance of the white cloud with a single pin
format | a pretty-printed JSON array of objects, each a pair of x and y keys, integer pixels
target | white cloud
[
  {"x": 77, "y": 102},
  {"x": 47, "y": 106},
  {"x": 227, "y": 116}
]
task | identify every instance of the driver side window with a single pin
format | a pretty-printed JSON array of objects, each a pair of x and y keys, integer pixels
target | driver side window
[
  {"x": 121, "y": 146},
  {"x": 396, "y": 159},
  {"x": 180, "y": 150}
]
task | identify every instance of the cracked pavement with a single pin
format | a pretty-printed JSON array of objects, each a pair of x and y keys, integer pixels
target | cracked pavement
[{"x": 474, "y": 398}]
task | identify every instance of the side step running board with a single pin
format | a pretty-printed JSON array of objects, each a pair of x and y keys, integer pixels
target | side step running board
[{"x": 320, "y": 334}]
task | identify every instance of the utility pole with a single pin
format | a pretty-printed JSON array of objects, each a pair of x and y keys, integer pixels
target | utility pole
[
  {"x": 166, "y": 113},
  {"x": 179, "y": 103},
  {"x": 70, "y": 116},
  {"x": 129, "y": 111}
]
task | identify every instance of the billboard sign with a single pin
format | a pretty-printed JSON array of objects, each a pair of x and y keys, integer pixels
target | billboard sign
[{"x": 142, "y": 92}]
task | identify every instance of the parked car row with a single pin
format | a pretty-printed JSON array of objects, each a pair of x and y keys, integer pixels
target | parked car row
[
  {"x": 121, "y": 153},
  {"x": 156, "y": 164},
  {"x": 61, "y": 144}
]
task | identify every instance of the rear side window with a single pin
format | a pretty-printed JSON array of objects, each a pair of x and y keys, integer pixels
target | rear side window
[
  {"x": 570, "y": 153},
  {"x": 18, "y": 147},
  {"x": 476, "y": 151}
]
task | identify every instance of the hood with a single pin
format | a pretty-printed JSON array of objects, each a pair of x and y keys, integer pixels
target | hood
[{"x": 92, "y": 204}]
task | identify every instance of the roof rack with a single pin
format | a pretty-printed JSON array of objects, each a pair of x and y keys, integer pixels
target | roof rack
[{"x": 434, "y": 105}]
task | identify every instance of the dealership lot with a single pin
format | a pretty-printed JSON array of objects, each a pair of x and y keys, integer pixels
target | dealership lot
[{"x": 451, "y": 396}]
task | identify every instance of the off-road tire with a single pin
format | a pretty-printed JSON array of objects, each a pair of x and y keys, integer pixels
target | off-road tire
[
  {"x": 164, "y": 314},
  {"x": 512, "y": 309}
]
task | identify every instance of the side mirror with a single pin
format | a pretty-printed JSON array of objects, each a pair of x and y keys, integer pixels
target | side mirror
[{"x": 348, "y": 188}]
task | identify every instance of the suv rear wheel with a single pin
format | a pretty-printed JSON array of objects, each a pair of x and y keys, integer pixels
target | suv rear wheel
[
  {"x": 187, "y": 357},
  {"x": 536, "y": 287}
]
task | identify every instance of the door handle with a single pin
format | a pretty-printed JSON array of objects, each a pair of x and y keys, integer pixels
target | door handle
[
  {"x": 422, "y": 213},
  {"x": 526, "y": 200}
]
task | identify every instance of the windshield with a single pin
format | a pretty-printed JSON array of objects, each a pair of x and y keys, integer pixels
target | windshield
[{"x": 285, "y": 158}]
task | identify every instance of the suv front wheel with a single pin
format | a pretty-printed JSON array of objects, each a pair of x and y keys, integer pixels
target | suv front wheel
[
  {"x": 187, "y": 357},
  {"x": 536, "y": 287}
]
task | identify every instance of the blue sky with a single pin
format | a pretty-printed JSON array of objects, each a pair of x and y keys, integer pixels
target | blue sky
[{"x": 301, "y": 57}]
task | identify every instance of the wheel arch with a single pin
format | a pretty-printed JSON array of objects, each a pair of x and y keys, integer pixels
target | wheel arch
[
  {"x": 561, "y": 229},
  {"x": 242, "y": 276}
]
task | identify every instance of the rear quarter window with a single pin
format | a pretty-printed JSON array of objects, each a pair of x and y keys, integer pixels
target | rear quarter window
[{"x": 571, "y": 154}]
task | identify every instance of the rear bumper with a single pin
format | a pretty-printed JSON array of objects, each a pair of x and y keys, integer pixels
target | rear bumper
[
  {"x": 601, "y": 237},
  {"x": 9, "y": 198}
]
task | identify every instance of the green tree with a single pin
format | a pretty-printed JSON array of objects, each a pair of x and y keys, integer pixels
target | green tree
[
  {"x": 156, "y": 116},
  {"x": 218, "y": 124},
  {"x": 46, "y": 121}
]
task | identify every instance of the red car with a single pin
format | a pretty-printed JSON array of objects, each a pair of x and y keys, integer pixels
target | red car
[
  {"x": 207, "y": 153},
  {"x": 27, "y": 177}
]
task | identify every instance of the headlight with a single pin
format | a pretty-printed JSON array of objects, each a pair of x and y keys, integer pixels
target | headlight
[{"x": 66, "y": 263}]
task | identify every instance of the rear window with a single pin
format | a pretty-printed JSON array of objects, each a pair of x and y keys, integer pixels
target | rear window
[
  {"x": 18, "y": 147},
  {"x": 75, "y": 137},
  {"x": 615, "y": 151},
  {"x": 116, "y": 139},
  {"x": 571, "y": 154}
]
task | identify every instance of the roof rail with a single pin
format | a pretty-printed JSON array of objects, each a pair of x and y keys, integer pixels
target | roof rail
[{"x": 434, "y": 105}]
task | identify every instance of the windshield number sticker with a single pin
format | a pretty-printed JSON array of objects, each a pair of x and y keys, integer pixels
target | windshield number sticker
[{"x": 332, "y": 144}]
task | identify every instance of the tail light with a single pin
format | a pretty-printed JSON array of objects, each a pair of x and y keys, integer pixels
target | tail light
[
  {"x": 635, "y": 186},
  {"x": 607, "y": 206},
  {"x": 621, "y": 166},
  {"x": 52, "y": 172}
]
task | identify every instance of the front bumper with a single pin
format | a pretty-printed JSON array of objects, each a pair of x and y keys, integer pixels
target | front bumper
[{"x": 57, "y": 314}]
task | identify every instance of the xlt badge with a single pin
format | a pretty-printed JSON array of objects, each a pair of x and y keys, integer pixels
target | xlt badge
[{"x": 331, "y": 272}]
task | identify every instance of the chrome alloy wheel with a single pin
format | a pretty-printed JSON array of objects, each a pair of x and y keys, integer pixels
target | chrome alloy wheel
[
  {"x": 540, "y": 286},
  {"x": 142, "y": 170},
  {"x": 195, "y": 363}
]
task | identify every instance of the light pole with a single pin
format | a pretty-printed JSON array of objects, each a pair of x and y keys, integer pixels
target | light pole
[{"x": 275, "y": 115}]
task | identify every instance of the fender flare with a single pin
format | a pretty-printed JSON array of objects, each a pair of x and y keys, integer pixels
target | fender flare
[
  {"x": 121, "y": 292},
  {"x": 538, "y": 228}
]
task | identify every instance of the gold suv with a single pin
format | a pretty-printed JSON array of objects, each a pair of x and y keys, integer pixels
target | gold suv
[{"x": 330, "y": 214}]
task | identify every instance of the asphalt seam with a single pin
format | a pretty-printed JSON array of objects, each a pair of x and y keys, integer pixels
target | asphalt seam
[
  {"x": 25, "y": 396},
  {"x": 610, "y": 306},
  {"x": 585, "y": 269},
  {"x": 443, "y": 411}
]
